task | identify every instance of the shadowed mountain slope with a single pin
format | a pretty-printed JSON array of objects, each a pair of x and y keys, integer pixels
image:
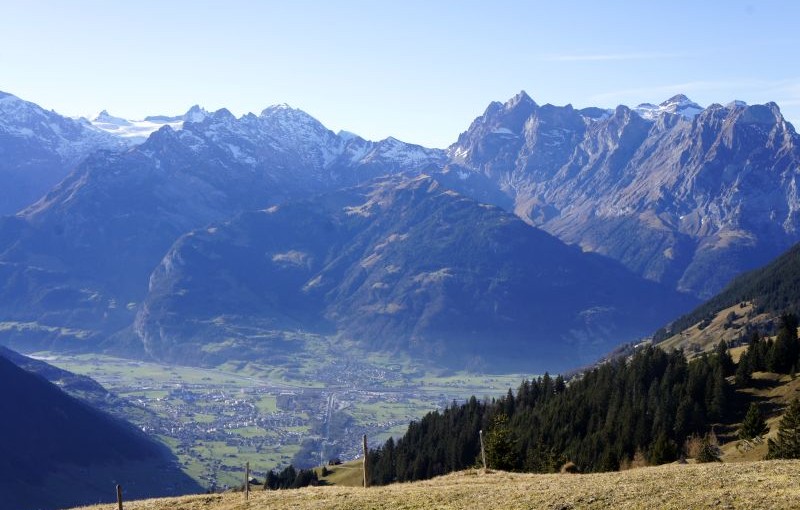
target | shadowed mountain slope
[
  {"x": 56, "y": 451},
  {"x": 400, "y": 264}
]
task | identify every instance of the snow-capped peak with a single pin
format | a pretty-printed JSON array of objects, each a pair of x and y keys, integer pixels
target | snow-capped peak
[
  {"x": 522, "y": 98},
  {"x": 677, "y": 105},
  {"x": 134, "y": 132},
  {"x": 736, "y": 103},
  {"x": 195, "y": 114},
  {"x": 106, "y": 118},
  {"x": 285, "y": 113},
  {"x": 286, "y": 120},
  {"x": 347, "y": 135},
  {"x": 5, "y": 96},
  {"x": 678, "y": 100}
]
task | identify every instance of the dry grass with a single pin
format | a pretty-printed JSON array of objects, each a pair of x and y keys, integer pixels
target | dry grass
[
  {"x": 349, "y": 474},
  {"x": 749, "y": 485},
  {"x": 693, "y": 339}
]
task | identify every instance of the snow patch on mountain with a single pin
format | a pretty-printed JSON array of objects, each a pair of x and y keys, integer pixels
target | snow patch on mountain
[
  {"x": 134, "y": 132},
  {"x": 71, "y": 139},
  {"x": 677, "y": 105}
]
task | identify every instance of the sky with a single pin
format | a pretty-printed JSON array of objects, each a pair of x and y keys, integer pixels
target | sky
[{"x": 420, "y": 71}]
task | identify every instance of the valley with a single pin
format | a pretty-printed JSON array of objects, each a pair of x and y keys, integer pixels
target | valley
[
  {"x": 335, "y": 254},
  {"x": 216, "y": 419}
]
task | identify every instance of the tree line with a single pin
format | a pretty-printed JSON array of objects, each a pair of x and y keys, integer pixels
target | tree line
[
  {"x": 774, "y": 288},
  {"x": 648, "y": 407},
  {"x": 645, "y": 407}
]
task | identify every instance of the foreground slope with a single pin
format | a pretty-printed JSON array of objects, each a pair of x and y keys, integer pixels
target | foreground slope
[
  {"x": 401, "y": 264},
  {"x": 756, "y": 485},
  {"x": 57, "y": 451}
]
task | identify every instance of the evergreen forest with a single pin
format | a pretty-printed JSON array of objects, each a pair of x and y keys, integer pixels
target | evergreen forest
[{"x": 645, "y": 407}]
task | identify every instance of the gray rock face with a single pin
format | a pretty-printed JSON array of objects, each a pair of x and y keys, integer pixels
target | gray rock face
[
  {"x": 401, "y": 264},
  {"x": 682, "y": 195}
]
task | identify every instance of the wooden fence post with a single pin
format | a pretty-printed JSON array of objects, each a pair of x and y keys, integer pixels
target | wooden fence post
[
  {"x": 483, "y": 452},
  {"x": 247, "y": 481},
  {"x": 366, "y": 468},
  {"x": 119, "y": 496}
]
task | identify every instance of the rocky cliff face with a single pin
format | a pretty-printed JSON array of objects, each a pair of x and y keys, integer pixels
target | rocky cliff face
[{"x": 682, "y": 195}]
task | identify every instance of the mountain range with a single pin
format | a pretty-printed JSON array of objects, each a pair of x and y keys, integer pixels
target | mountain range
[
  {"x": 38, "y": 148},
  {"x": 682, "y": 195},
  {"x": 110, "y": 257}
]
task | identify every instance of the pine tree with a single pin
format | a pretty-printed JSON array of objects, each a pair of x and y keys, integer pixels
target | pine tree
[
  {"x": 663, "y": 450},
  {"x": 757, "y": 351},
  {"x": 271, "y": 481},
  {"x": 744, "y": 370},
  {"x": 784, "y": 352},
  {"x": 787, "y": 444},
  {"x": 753, "y": 424},
  {"x": 709, "y": 449},
  {"x": 719, "y": 395},
  {"x": 499, "y": 445},
  {"x": 724, "y": 358}
]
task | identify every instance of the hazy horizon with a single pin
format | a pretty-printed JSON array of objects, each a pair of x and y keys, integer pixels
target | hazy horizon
[{"x": 417, "y": 71}]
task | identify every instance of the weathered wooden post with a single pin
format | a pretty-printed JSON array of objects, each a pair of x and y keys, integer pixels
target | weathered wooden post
[
  {"x": 366, "y": 468},
  {"x": 119, "y": 496},
  {"x": 247, "y": 481},
  {"x": 483, "y": 451}
]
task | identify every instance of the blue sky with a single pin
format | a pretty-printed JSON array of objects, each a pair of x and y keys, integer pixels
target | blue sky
[{"x": 416, "y": 70}]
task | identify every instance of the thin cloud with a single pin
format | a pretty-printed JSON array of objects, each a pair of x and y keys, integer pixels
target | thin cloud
[
  {"x": 776, "y": 90},
  {"x": 605, "y": 57}
]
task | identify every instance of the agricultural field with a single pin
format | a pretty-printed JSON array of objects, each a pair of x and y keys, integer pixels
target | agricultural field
[{"x": 216, "y": 419}]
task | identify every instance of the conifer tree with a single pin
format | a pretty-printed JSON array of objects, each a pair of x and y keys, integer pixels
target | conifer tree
[
  {"x": 663, "y": 450},
  {"x": 744, "y": 370},
  {"x": 499, "y": 444},
  {"x": 719, "y": 395},
  {"x": 724, "y": 358},
  {"x": 709, "y": 449},
  {"x": 757, "y": 351},
  {"x": 784, "y": 352},
  {"x": 787, "y": 444},
  {"x": 753, "y": 424}
]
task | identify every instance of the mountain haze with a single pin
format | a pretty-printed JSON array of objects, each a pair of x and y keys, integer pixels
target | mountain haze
[
  {"x": 773, "y": 289},
  {"x": 401, "y": 264},
  {"x": 682, "y": 195},
  {"x": 81, "y": 256}
]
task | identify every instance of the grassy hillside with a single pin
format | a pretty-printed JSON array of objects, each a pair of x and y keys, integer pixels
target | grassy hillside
[
  {"x": 750, "y": 485},
  {"x": 349, "y": 474},
  {"x": 726, "y": 324},
  {"x": 772, "y": 289}
]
